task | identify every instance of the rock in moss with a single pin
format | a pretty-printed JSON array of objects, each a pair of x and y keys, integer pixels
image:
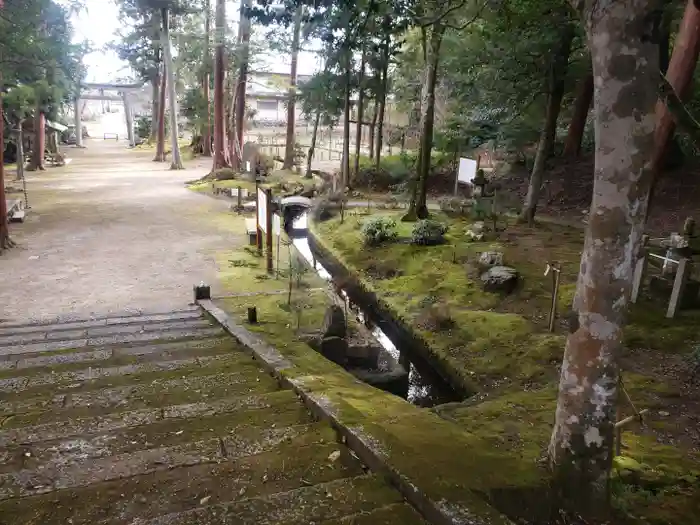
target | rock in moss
[{"x": 501, "y": 279}]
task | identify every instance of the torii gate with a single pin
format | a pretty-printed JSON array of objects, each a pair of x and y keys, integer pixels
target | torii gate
[{"x": 122, "y": 95}]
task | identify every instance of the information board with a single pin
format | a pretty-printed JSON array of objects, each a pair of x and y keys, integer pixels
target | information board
[
  {"x": 467, "y": 170},
  {"x": 262, "y": 210}
]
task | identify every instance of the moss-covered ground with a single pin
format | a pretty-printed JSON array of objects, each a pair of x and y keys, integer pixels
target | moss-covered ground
[
  {"x": 284, "y": 181},
  {"x": 500, "y": 346}
]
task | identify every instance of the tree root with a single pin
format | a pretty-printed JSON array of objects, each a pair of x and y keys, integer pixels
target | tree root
[{"x": 6, "y": 244}]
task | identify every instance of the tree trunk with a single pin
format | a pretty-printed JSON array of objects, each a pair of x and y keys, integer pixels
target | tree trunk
[
  {"x": 577, "y": 126},
  {"x": 312, "y": 148},
  {"x": 360, "y": 114},
  {"x": 176, "y": 161},
  {"x": 77, "y": 117},
  {"x": 5, "y": 241},
  {"x": 680, "y": 74},
  {"x": 219, "y": 112},
  {"x": 371, "y": 131},
  {"x": 160, "y": 139},
  {"x": 39, "y": 141},
  {"x": 20, "y": 150},
  {"x": 155, "y": 90},
  {"x": 625, "y": 69},
  {"x": 290, "y": 145},
  {"x": 346, "y": 125},
  {"x": 556, "y": 88},
  {"x": 382, "y": 101},
  {"x": 240, "y": 87},
  {"x": 418, "y": 207},
  {"x": 206, "y": 131}
]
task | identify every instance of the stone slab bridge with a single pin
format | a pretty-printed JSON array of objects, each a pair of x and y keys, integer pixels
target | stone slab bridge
[{"x": 106, "y": 91}]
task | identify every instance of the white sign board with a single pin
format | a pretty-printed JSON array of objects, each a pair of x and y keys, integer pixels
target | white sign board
[
  {"x": 234, "y": 192},
  {"x": 467, "y": 170},
  {"x": 276, "y": 225},
  {"x": 262, "y": 209}
]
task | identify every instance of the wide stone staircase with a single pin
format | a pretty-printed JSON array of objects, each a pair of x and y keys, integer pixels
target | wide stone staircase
[{"x": 164, "y": 419}]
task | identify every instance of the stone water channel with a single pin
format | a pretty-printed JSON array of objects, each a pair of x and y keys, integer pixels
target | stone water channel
[{"x": 426, "y": 387}]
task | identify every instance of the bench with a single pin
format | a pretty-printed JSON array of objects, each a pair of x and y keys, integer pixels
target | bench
[
  {"x": 114, "y": 136},
  {"x": 251, "y": 231},
  {"x": 15, "y": 211}
]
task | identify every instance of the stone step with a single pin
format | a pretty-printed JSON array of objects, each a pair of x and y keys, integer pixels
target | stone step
[
  {"x": 116, "y": 318},
  {"x": 301, "y": 506},
  {"x": 17, "y": 433},
  {"x": 72, "y": 380},
  {"x": 78, "y": 465},
  {"x": 208, "y": 386},
  {"x": 102, "y": 331},
  {"x": 200, "y": 346},
  {"x": 283, "y": 468},
  {"x": 396, "y": 514},
  {"x": 117, "y": 339}
]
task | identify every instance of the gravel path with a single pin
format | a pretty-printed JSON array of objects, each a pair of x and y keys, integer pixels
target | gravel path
[{"x": 111, "y": 232}]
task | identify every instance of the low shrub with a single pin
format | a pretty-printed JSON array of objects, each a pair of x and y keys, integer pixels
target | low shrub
[
  {"x": 429, "y": 233},
  {"x": 224, "y": 174},
  {"x": 436, "y": 318},
  {"x": 379, "y": 230}
]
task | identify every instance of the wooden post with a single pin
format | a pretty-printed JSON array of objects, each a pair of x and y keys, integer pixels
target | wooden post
[
  {"x": 268, "y": 230},
  {"x": 239, "y": 199},
  {"x": 639, "y": 270},
  {"x": 556, "y": 270},
  {"x": 678, "y": 287}
]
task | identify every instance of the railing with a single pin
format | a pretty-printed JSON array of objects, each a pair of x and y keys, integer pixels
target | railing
[{"x": 114, "y": 136}]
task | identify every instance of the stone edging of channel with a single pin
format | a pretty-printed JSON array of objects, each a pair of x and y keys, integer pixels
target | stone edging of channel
[{"x": 363, "y": 445}]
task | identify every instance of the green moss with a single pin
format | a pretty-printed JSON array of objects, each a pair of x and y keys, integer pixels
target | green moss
[{"x": 502, "y": 342}]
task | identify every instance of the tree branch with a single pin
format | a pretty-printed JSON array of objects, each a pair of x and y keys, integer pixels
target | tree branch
[
  {"x": 446, "y": 13},
  {"x": 469, "y": 22}
]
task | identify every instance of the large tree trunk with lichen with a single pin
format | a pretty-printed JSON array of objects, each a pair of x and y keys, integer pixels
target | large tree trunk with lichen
[
  {"x": 160, "y": 137},
  {"x": 577, "y": 126},
  {"x": 418, "y": 208},
  {"x": 176, "y": 160},
  {"x": 681, "y": 68},
  {"x": 290, "y": 145},
  {"x": 625, "y": 70},
  {"x": 556, "y": 88},
  {"x": 220, "y": 160}
]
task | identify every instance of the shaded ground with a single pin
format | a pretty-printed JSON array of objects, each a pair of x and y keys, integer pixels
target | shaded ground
[{"x": 110, "y": 232}]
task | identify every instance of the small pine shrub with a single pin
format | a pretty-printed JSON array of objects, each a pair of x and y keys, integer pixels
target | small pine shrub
[
  {"x": 429, "y": 233},
  {"x": 378, "y": 231}
]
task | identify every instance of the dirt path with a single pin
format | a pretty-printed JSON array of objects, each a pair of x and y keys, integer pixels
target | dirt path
[{"x": 111, "y": 232}]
